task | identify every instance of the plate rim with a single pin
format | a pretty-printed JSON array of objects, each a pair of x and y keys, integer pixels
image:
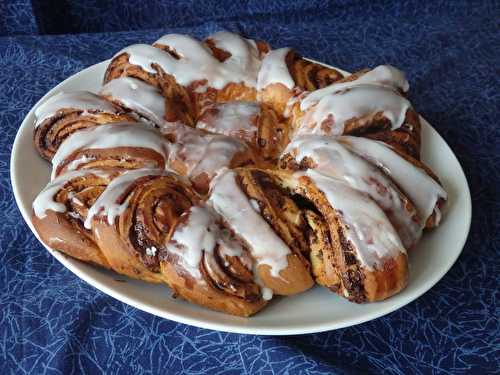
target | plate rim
[{"x": 229, "y": 327}]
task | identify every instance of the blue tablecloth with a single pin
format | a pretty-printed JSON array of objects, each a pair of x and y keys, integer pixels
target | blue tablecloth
[{"x": 51, "y": 322}]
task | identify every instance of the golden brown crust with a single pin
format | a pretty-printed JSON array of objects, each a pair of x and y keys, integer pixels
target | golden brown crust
[
  {"x": 206, "y": 296},
  {"x": 59, "y": 232},
  {"x": 64, "y": 231},
  {"x": 131, "y": 244}
]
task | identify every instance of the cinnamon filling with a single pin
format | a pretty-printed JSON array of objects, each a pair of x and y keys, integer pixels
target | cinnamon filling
[{"x": 157, "y": 209}]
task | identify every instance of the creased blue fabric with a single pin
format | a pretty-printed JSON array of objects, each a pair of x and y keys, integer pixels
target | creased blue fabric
[{"x": 51, "y": 322}]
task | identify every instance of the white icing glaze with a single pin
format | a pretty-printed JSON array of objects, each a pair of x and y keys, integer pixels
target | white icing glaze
[
  {"x": 267, "y": 294},
  {"x": 383, "y": 75},
  {"x": 110, "y": 136},
  {"x": 204, "y": 153},
  {"x": 80, "y": 100},
  {"x": 333, "y": 159},
  {"x": 151, "y": 251},
  {"x": 367, "y": 227},
  {"x": 186, "y": 46},
  {"x": 73, "y": 165},
  {"x": 200, "y": 233},
  {"x": 144, "y": 55},
  {"x": 245, "y": 55},
  {"x": 421, "y": 188},
  {"x": 233, "y": 205},
  {"x": 360, "y": 100},
  {"x": 106, "y": 205},
  {"x": 197, "y": 63},
  {"x": 234, "y": 119},
  {"x": 137, "y": 96},
  {"x": 45, "y": 199},
  {"x": 255, "y": 205},
  {"x": 175, "y": 129},
  {"x": 275, "y": 70}
]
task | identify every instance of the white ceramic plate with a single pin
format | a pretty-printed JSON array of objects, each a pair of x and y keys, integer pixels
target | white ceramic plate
[{"x": 314, "y": 311}]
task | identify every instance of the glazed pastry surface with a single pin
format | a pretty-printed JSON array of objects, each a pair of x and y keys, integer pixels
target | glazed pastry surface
[{"x": 233, "y": 173}]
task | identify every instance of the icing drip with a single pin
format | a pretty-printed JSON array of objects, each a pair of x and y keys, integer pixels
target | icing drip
[
  {"x": 421, "y": 188},
  {"x": 383, "y": 75},
  {"x": 45, "y": 199},
  {"x": 333, "y": 110},
  {"x": 80, "y": 100},
  {"x": 106, "y": 205},
  {"x": 267, "y": 294},
  {"x": 255, "y": 205},
  {"x": 204, "y": 153},
  {"x": 200, "y": 233},
  {"x": 137, "y": 96},
  {"x": 234, "y": 206},
  {"x": 333, "y": 159},
  {"x": 235, "y": 119},
  {"x": 367, "y": 227},
  {"x": 112, "y": 135},
  {"x": 275, "y": 70},
  {"x": 196, "y": 63}
]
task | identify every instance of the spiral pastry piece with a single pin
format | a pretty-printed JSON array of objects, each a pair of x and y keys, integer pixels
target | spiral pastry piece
[
  {"x": 65, "y": 113},
  {"x": 257, "y": 125},
  {"x": 132, "y": 217},
  {"x": 207, "y": 265},
  {"x": 119, "y": 145},
  {"x": 361, "y": 104},
  {"x": 362, "y": 257},
  {"x": 406, "y": 138},
  {"x": 262, "y": 214},
  {"x": 329, "y": 156},
  {"x": 152, "y": 66},
  {"x": 60, "y": 210},
  {"x": 284, "y": 74},
  {"x": 145, "y": 102}
]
